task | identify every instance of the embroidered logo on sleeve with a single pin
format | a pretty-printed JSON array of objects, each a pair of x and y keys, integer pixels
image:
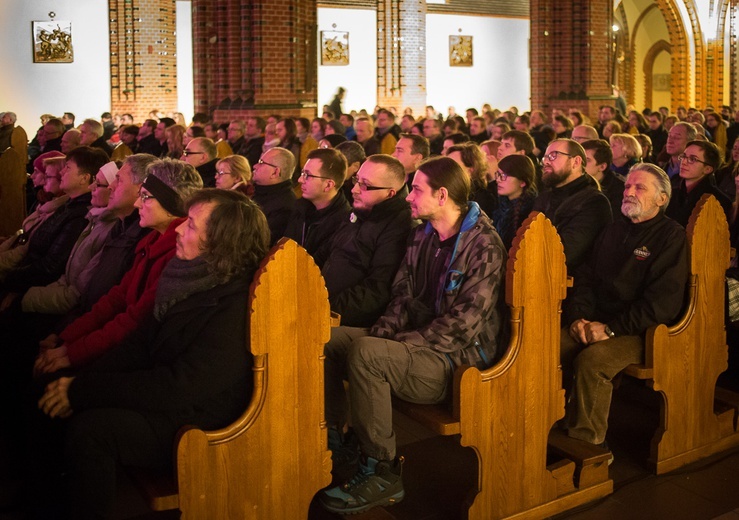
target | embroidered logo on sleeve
[{"x": 642, "y": 253}]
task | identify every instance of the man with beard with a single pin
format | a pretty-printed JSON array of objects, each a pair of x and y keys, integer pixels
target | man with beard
[
  {"x": 574, "y": 203},
  {"x": 635, "y": 279}
]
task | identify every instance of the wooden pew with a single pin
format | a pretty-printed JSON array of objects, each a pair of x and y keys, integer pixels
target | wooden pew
[
  {"x": 12, "y": 191},
  {"x": 271, "y": 461},
  {"x": 505, "y": 413},
  {"x": 683, "y": 361}
]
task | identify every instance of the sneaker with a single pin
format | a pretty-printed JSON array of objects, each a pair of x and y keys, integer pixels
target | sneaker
[
  {"x": 344, "y": 455},
  {"x": 377, "y": 483}
]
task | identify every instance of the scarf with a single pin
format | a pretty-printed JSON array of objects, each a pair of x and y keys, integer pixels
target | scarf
[{"x": 179, "y": 280}]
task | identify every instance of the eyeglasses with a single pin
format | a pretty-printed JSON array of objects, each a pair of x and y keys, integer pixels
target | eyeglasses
[
  {"x": 220, "y": 173},
  {"x": 690, "y": 159},
  {"x": 552, "y": 156},
  {"x": 268, "y": 164},
  {"x": 501, "y": 176},
  {"x": 146, "y": 196},
  {"x": 364, "y": 187},
  {"x": 188, "y": 152},
  {"x": 305, "y": 175}
]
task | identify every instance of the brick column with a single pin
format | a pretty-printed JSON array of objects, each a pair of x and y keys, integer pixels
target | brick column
[
  {"x": 254, "y": 58},
  {"x": 571, "y": 54},
  {"x": 143, "y": 56},
  {"x": 401, "y": 54}
]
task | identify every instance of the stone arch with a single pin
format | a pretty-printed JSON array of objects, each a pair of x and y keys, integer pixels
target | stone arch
[
  {"x": 652, "y": 53},
  {"x": 679, "y": 54},
  {"x": 632, "y": 48}
]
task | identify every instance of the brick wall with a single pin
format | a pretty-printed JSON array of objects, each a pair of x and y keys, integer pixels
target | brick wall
[
  {"x": 571, "y": 54},
  {"x": 143, "y": 57},
  {"x": 256, "y": 57}
]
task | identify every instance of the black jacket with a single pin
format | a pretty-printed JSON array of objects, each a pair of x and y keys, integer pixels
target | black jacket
[
  {"x": 635, "y": 278},
  {"x": 251, "y": 149},
  {"x": 683, "y": 202},
  {"x": 150, "y": 145},
  {"x": 277, "y": 202},
  {"x": 579, "y": 211},
  {"x": 103, "y": 145},
  {"x": 612, "y": 187},
  {"x": 113, "y": 260},
  {"x": 192, "y": 368},
  {"x": 50, "y": 246},
  {"x": 207, "y": 172},
  {"x": 365, "y": 254},
  {"x": 313, "y": 229}
]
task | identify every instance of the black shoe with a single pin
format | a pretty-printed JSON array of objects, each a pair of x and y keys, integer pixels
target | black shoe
[{"x": 377, "y": 483}]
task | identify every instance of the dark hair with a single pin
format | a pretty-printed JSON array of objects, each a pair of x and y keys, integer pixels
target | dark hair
[
  {"x": 473, "y": 157},
  {"x": 473, "y": 110},
  {"x": 603, "y": 153},
  {"x": 525, "y": 119},
  {"x": 337, "y": 126},
  {"x": 106, "y": 115},
  {"x": 387, "y": 113},
  {"x": 88, "y": 160},
  {"x": 419, "y": 144},
  {"x": 333, "y": 164},
  {"x": 574, "y": 148},
  {"x": 352, "y": 151},
  {"x": 290, "y": 128},
  {"x": 261, "y": 122},
  {"x": 457, "y": 138},
  {"x": 334, "y": 139},
  {"x": 237, "y": 234},
  {"x": 168, "y": 121},
  {"x": 197, "y": 131},
  {"x": 69, "y": 115},
  {"x": 711, "y": 153},
  {"x": 56, "y": 124},
  {"x": 200, "y": 118},
  {"x": 443, "y": 172},
  {"x": 658, "y": 115},
  {"x": 130, "y": 130},
  {"x": 150, "y": 123},
  {"x": 304, "y": 122},
  {"x": 521, "y": 140},
  {"x": 349, "y": 117},
  {"x": 522, "y": 168}
]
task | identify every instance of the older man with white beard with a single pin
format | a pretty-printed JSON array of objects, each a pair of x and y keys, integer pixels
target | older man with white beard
[{"x": 635, "y": 278}]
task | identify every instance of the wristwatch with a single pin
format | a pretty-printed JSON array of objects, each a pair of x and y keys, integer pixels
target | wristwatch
[{"x": 610, "y": 333}]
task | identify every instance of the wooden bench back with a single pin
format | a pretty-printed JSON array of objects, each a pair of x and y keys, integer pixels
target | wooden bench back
[
  {"x": 507, "y": 411},
  {"x": 270, "y": 462},
  {"x": 12, "y": 192},
  {"x": 683, "y": 361}
]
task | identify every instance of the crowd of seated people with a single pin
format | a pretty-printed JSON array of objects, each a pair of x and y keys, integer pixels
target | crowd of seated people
[{"x": 123, "y": 226}]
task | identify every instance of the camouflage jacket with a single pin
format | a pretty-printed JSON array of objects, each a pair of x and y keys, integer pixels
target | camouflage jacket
[{"x": 467, "y": 322}]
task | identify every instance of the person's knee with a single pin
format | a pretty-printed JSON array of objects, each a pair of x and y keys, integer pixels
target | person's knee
[{"x": 365, "y": 352}]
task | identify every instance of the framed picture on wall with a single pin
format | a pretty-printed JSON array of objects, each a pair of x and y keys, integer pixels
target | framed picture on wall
[
  {"x": 52, "y": 42},
  {"x": 334, "y": 48},
  {"x": 460, "y": 51}
]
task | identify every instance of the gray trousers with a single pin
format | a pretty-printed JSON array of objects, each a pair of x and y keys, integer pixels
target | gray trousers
[
  {"x": 587, "y": 371},
  {"x": 377, "y": 369}
]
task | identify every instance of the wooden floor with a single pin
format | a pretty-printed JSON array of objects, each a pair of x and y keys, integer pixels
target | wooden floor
[{"x": 438, "y": 474}]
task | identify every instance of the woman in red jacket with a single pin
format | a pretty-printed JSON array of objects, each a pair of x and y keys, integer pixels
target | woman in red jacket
[{"x": 119, "y": 313}]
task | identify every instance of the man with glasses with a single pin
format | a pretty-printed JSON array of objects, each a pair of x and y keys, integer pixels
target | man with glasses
[
  {"x": 201, "y": 153},
  {"x": 273, "y": 189},
  {"x": 322, "y": 207},
  {"x": 698, "y": 163},
  {"x": 444, "y": 313},
  {"x": 367, "y": 249},
  {"x": 677, "y": 139},
  {"x": 573, "y": 201}
]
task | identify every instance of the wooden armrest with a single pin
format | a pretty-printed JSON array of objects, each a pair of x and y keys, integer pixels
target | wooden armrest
[
  {"x": 570, "y": 281},
  {"x": 581, "y": 452},
  {"x": 436, "y": 417},
  {"x": 639, "y": 371},
  {"x": 335, "y": 319}
]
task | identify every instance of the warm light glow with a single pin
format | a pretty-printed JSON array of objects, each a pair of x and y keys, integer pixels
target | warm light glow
[{"x": 615, "y": 27}]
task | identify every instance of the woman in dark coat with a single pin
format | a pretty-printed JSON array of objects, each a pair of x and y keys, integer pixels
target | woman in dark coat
[
  {"x": 516, "y": 179},
  {"x": 189, "y": 365},
  {"x": 473, "y": 161}
]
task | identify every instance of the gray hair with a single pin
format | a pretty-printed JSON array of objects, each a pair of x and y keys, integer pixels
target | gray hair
[
  {"x": 285, "y": 161},
  {"x": 661, "y": 178},
  {"x": 139, "y": 164},
  {"x": 178, "y": 175},
  {"x": 690, "y": 131},
  {"x": 94, "y": 126},
  {"x": 12, "y": 116}
]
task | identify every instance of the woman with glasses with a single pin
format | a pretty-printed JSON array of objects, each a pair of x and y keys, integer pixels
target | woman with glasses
[
  {"x": 234, "y": 173},
  {"x": 516, "y": 181},
  {"x": 47, "y": 171},
  {"x": 118, "y": 314}
]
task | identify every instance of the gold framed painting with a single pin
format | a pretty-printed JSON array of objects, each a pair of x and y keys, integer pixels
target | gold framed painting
[
  {"x": 52, "y": 42},
  {"x": 334, "y": 48},
  {"x": 460, "y": 51}
]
